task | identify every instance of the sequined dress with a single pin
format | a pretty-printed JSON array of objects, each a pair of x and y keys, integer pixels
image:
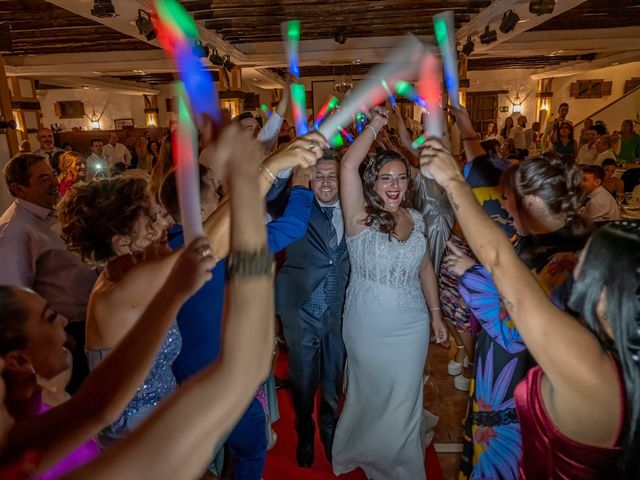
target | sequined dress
[
  {"x": 158, "y": 385},
  {"x": 385, "y": 331}
]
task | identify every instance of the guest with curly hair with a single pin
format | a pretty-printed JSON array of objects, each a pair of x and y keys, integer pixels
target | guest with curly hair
[{"x": 119, "y": 224}]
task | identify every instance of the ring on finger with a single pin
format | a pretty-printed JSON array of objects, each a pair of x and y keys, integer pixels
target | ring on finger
[{"x": 205, "y": 251}]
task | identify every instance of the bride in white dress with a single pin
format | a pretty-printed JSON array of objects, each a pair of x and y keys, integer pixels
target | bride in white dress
[{"x": 386, "y": 318}]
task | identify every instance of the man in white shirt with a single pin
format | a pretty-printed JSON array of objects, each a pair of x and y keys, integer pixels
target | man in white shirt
[
  {"x": 604, "y": 150},
  {"x": 588, "y": 153},
  {"x": 601, "y": 206},
  {"x": 116, "y": 152},
  {"x": 517, "y": 135},
  {"x": 34, "y": 255},
  {"x": 47, "y": 148},
  {"x": 97, "y": 165}
]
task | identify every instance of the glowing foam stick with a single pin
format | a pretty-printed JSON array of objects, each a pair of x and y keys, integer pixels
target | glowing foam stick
[
  {"x": 177, "y": 31},
  {"x": 429, "y": 89},
  {"x": 403, "y": 62},
  {"x": 418, "y": 141},
  {"x": 185, "y": 160},
  {"x": 347, "y": 135},
  {"x": 331, "y": 103},
  {"x": 336, "y": 141},
  {"x": 444, "y": 29},
  {"x": 299, "y": 103},
  {"x": 291, "y": 37},
  {"x": 392, "y": 99},
  {"x": 407, "y": 91},
  {"x": 266, "y": 110}
]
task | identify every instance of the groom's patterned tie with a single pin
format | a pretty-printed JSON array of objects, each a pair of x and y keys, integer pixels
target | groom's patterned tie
[{"x": 333, "y": 235}]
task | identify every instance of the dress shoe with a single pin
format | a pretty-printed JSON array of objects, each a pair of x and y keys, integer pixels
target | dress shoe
[{"x": 304, "y": 454}]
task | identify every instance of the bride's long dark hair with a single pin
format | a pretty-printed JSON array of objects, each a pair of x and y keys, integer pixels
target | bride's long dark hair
[
  {"x": 612, "y": 264},
  {"x": 374, "y": 205}
]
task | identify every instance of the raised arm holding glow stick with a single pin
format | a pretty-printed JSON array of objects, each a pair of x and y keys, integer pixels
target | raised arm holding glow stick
[
  {"x": 444, "y": 29},
  {"x": 403, "y": 62}
]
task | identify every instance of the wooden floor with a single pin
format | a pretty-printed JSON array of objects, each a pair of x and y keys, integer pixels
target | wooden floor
[{"x": 443, "y": 400}]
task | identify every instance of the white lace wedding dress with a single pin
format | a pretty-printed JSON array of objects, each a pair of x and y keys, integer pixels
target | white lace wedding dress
[{"x": 386, "y": 334}]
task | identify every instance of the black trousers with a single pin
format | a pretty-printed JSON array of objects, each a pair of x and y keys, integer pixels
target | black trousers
[
  {"x": 75, "y": 330},
  {"x": 316, "y": 358}
]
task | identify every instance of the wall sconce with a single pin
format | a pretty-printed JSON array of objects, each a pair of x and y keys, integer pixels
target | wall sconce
[
  {"x": 95, "y": 125},
  {"x": 151, "y": 119}
]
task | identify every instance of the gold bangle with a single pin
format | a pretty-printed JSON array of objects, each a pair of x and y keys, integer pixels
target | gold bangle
[
  {"x": 271, "y": 177},
  {"x": 434, "y": 308}
]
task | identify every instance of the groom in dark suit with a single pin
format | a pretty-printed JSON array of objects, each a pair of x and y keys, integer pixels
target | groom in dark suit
[{"x": 310, "y": 292}]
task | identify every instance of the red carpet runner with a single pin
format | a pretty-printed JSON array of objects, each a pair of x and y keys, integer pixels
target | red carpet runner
[{"x": 281, "y": 461}]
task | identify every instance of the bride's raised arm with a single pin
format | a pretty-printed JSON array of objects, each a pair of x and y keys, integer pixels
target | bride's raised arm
[{"x": 351, "y": 193}]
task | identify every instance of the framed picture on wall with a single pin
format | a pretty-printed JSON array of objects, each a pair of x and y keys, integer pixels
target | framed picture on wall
[{"x": 122, "y": 123}]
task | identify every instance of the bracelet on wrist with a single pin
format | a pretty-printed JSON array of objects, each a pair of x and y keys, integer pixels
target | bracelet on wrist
[
  {"x": 434, "y": 308},
  {"x": 268, "y": 174},
  {"x": 250, "y": 264},
  {"x": 373, "y": 130}
]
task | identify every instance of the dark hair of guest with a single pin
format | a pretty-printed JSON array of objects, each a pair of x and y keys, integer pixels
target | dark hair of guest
[{"x": 612, "y": 265}]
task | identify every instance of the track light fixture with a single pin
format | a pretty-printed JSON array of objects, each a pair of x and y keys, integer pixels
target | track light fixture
[
  {"x": 216, "y": 59},
  {"x": 200, "y": 50},
  {"x": 145, "y": 25},
  {"x": 5, "y": 124},
  {"x": 489, "y": 36},
  {"x": 468, "y": 47},
  {"x": 103, "y": 9},
  {"x": 340, "y": 36},
  {"x": 509, "y": 21},
  {"x": 228, "y": 64},
  {"x": 541, "y": 7}
]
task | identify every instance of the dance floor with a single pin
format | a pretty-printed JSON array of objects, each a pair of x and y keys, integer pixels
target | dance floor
[{"x": 281, "y": 462}]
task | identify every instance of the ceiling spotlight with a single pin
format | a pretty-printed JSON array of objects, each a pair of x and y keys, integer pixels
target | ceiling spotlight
[
  {"x": 200, "y": 50},
  {"x": 228, "y": 64},
  {"x": 509, "y": 21},
  {"x": 541, "y": 7},
  {"x": 468, "y": 47},
  {"x": 103, "y": 9},
  {"x": 5, "y": 124},
  {"x": 216, "y": 59},
  {"x": 489, "y": 36},
  {"x": 145, "y": 25},
  {"x": 340, "y": 36}
]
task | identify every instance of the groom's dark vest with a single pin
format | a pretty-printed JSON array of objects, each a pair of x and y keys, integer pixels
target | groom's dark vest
[{"x": 313, "y": 275}]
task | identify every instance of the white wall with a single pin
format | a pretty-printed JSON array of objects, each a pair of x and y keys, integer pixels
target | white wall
[
  {"x": 579, "y": 109},
  {"x": 515, "y": 81},
  {"x": 117, "y": 106}
]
